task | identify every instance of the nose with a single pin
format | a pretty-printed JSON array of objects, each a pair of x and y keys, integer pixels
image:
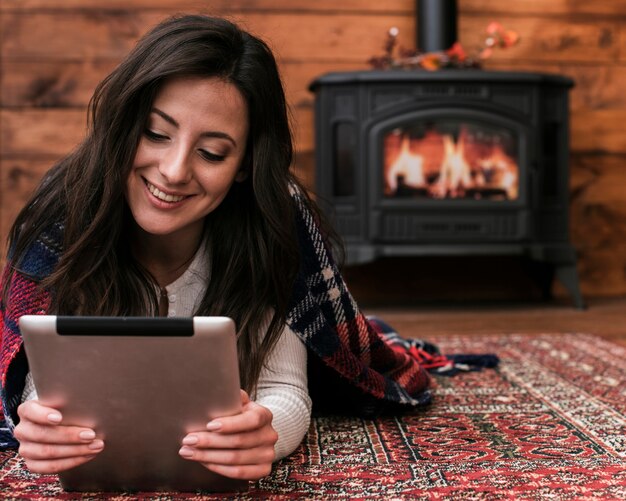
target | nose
[{"x": 175, "y": 165}]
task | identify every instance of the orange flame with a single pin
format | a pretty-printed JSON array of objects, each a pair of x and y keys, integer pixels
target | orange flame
[
  {"x": 454, "y": 174},
  {"x": 408, "y": 167},
  {"x": 437, "y": 166}
]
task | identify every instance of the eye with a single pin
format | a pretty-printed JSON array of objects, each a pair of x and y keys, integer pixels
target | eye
[
  {"x": 153, "y": 136},
  {"x": 211, "y": 157}
]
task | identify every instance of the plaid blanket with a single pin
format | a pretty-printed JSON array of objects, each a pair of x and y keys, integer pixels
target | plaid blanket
[
  {"x": 354, "y": 356},
  {"x": 355, "y": 362}
]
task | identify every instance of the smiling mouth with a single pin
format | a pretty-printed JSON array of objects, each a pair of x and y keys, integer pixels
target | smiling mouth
[{"x": 165, "y": 197}]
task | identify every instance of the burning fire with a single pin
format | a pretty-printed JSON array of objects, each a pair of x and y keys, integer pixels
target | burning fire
[
  {"x": 438, "y": 166},
  {"x": 454, "y": 174},
  {"x": 407, "y": 168}
]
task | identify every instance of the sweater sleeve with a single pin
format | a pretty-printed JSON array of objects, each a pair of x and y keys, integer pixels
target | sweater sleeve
[
  {"x": 283, "y": 389},
  {"x": 30, "y": 393}
]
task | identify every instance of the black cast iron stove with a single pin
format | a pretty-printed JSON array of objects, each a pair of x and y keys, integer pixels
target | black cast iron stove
[{"x": 450, "y": 162}]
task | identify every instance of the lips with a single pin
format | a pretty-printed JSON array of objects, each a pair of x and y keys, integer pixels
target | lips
[{"x": 165, "y": 197}]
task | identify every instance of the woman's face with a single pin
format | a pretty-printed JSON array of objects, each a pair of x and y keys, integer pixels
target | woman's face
[{"x": 189, "y": 155}]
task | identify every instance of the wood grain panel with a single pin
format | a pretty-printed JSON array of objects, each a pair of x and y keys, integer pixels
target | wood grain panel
[
  {"x": 544, "y": 7},
  {"x": 18, "y": 179},
  {"x": 320, "y": 37},
  {"x": 547, "y": 39},
  {"x": 596, "y": 86},
  {"x": 567, "y": 7},
  {"x": 303, "y": 125},
  {"x": 597, "y": 226},
  {"x": 598, "y": 179},
  {"x": 112, "y": 35},
  {"x": 598, "y": 130},
  {"x": 622, "y": 43},
  {"x": 51, "y": 83},
  {"x": 40, "y": 133},
  {"x": 214, "y": 6},
  {"x": 297, "y": 76},
  {"x": 85, "y": 35},
  {"x": 598, "y": 201},
  {"x": 603, "y": 271},
  {"x": 304, "y": 169},
  {"x": 70, "y": 84}
]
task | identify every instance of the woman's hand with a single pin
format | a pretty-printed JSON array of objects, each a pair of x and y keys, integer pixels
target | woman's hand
[
  {"x": 48, "y": 446},
  {"x": 239, "y": 446}
]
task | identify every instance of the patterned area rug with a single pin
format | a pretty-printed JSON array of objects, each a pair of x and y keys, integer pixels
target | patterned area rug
[{"x": 549, "y": 423}]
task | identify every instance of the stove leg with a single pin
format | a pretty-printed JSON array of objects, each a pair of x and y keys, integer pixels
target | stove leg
[{"x": 568, "y": 276}]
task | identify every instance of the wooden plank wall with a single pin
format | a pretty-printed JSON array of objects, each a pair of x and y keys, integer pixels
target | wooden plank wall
[{"x": 53, "y": 53}]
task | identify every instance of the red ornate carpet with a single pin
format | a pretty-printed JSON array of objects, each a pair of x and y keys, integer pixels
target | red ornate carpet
[{"x": 549, "y": 423}]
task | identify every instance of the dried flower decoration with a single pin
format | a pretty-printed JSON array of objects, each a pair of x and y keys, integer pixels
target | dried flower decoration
[{"x": 455, "y": 57}]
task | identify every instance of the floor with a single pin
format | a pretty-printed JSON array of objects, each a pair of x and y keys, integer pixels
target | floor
[{"x": 605, "y": 317}]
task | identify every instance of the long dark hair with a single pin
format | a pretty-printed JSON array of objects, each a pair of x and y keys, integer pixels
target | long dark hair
[{"x": 251, "y": 236}]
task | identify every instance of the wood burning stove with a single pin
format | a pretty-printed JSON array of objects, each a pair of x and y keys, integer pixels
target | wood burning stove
[{"x": 451, "y": 162}]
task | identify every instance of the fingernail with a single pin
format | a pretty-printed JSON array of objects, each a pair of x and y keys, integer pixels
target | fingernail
[
  {"x": 96, "y": 445},
  {"x": 54, "y": 417},
  {"x": 190, "y": 440},
  {"x": 186, "y": 452},
  {"x": 213, "y": 425},
  {"x": 87, "y": 435}
]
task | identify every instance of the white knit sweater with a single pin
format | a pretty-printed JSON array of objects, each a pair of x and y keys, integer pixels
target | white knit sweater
[{"x": 282, "y": 386}]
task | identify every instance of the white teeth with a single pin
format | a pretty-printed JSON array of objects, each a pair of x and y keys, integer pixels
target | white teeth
[{"x": 163, "y": 196}]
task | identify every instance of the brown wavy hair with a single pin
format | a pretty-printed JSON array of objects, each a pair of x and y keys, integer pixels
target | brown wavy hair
[{"x": 251, "y": 236}]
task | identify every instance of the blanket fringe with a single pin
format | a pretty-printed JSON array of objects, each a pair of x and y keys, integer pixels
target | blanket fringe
[{"x": 428, "y": 355}]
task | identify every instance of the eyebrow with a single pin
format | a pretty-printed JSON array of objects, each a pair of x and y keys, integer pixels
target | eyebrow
[{"x": 210, "y": 133}]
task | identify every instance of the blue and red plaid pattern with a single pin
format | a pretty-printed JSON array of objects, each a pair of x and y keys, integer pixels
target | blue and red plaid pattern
[{"x": 327, "y": 319}]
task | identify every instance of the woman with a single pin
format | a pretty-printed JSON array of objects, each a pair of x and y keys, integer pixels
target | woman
[{"x": 180, "y": 202}]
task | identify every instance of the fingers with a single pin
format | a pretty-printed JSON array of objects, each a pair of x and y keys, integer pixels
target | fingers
[
  {"x": 57, "y": 465},
  {"x": 53, "y": 457},
  {"x": 33, "y": 411},
  {"x": 28, "y": 431},
  {"x": 257, "y": 455},
  {"x": 252, "y": 417},
  {"x": 38, "y": 452},
  {"x": 248, "y": 464},
  {"x": 240, "y": 446},
  {"x": 48, "y": 446},
  {"x": 206, "y": 440}
]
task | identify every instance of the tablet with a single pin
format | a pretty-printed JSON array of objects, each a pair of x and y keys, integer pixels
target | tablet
[{"x": 142, "y": 384}]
